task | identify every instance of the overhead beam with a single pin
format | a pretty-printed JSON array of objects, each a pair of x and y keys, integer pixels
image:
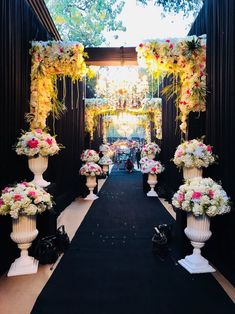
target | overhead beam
[
  {"x": 44, "y": 16},
  {"x": 112, "y": 56}
]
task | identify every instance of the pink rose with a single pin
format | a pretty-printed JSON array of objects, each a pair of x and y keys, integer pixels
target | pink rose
[
  {"x": 179, "y": 153},
  {"x": 38, "y": 131},
  {"x": 6, "y": 190},
  {"x": 1, "y": 202},
  {"x": 211, "y": 194},
  {"x": 49, "y": 141},
  {"x": 196, "y": 195},
  {"x": 180, "y": 197},
  {"x": 33, "y": 143},
  {"x": 154, "y": 169},
  {"x": 24, "y": 183},
  {"x": 167, "y": 41},
  {"x": 209, "y": 149},
  {"x": 32, "y": 194},
  {"x": 17, "y": 197}
]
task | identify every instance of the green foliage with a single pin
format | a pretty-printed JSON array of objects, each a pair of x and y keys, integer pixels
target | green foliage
[
  {"x": 177, "y": 6},
  {"x": 86, "y": 20}
]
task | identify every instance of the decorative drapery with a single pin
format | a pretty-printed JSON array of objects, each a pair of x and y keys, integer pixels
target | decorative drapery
[{"x": 217, "y": 20}]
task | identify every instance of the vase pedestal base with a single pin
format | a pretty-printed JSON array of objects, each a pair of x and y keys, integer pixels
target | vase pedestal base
[
  {"x": 23, "y": 265},
  {"x": 91, "y": 197},
  {"x": 42, "y": 183},
  {"x": 196, "y": 264},
  {"x": 152, "y": 193}
]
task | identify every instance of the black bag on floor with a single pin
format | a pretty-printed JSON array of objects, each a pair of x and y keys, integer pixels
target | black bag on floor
[
  {"x": 167, "y": 230},
  {"x": 49, "y": 248},
  {"x": 46, "y": 251},
  {"x": 62, "y": 239},
  {"x": 159, "y": 241}
]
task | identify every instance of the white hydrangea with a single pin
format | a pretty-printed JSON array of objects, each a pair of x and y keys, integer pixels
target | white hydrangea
[
  {"x": 202, "y": 196},
  {"x": 90, "y": 169},
  {"x": 90, "y": 155},
  {"x": 193, "y": 153},
  {"x": 24, "y": 199},
  {"x": 152, "y": 166},
  {"x": 150, "y": 149},
  {"x": 105, "y": 161},
  {"x": 37, "y": 142}
]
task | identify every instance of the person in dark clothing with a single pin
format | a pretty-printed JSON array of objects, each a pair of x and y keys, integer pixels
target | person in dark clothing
[
  {"x": 138, "y": 157},
  {"x": 129, "y": 165}
]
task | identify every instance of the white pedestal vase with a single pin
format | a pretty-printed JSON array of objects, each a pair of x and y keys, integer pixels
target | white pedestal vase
[
  {"x": 198, "y": 231},
  {"x": 91, "y": 184},
  {"x": 152, "y": 181},
  {"x": 23, "y": 233},
  {"x": 192, "y": 172},
  {"x": 38, "y": 166},
  {"x": 105, "y": 169}
]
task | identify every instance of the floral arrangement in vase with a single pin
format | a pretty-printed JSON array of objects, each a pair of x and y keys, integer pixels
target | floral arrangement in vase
[
  {"x": 143, "y": 160},
  {"x": 150, "y": 149},
  {"x": 105, "y": 161},
  {"x": 202, "y": 196},
  {"x": 24, "y": 199},
  {"x": 194, "y": 153},
  {"x": 37, "y": 142},
  {"x": 90, "y": 169},
  {"x": 90, "y": 155},
  {"x": 152, "y": 167},
  {"x": 104, "y": 148}
]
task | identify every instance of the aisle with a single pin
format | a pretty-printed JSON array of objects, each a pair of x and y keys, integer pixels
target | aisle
[{"x": 110, "y": 267}]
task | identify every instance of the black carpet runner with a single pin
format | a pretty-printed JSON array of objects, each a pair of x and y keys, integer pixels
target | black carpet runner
[{"x": 110, "y": 267}]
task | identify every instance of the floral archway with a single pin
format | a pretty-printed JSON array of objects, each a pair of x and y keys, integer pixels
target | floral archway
[
  {"x": 50, "y": 60},
  {"x": 149, "y": 107},
  {"x": 186, "y": 61}
]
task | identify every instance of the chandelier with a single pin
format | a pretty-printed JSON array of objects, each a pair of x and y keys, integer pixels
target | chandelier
[{"x": 123, "y": 88}]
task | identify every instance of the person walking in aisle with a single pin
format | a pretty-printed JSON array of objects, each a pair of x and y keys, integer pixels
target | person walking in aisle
[{"x": 138, "y": 157}]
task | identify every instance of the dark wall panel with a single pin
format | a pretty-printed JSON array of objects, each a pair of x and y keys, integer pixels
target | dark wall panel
[
  {"x": 171, "y": 138},
  {"x": 216, "y": 19},
  {"x": 64, "y": 167},
  {"x": 19, "y": 26}
]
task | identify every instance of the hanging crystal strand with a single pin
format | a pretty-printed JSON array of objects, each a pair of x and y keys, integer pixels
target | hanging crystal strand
[
  {"x": 158, "y": 86},
  {"x": 64, "y": 89},
  {"x": 84, "y": 88},
  {"x": 71, "y": 86},
  {"x": 152, "y": 85},
  {"x": 78, "y": 95}
]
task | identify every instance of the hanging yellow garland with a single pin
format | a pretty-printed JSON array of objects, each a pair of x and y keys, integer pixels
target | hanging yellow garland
[
  {"x": 49, "y": 60},
  {"x": 185, "y": 59}
]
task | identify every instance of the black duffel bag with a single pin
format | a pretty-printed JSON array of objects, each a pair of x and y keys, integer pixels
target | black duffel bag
[
  {"x": 62, "y": 239},
  {"x": 46, "y": 251},
  {"x": 49, "y": 248}
]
